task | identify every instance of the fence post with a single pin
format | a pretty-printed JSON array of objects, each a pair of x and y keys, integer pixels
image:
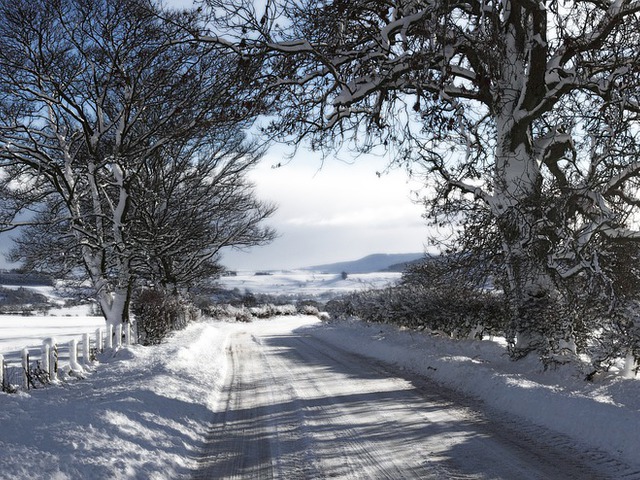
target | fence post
[
  {"x": 127, "y": 333},
  {"x": 44, "y": 356},
  {"x": 86, "y": 350},
  {"x": 119, "y": 335},
  {"x": 109, "y": 336},
  {"x": 25, "y": 368},
  {"x": 73, "y": 356},
  {"x": 99, "y": 344},
  {"x": 53, "y": 360},
  {"x": 50, "y": 358}
]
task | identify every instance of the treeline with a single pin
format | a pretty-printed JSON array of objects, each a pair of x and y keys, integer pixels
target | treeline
[
  {"x": 123, "y": 143},
  {"x": 25, "y": 278}
]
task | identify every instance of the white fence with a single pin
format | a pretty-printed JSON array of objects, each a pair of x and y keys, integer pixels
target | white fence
[{"x": 27, "y": 373}]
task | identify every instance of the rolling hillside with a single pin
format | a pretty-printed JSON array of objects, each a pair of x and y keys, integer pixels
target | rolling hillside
[{"x": 372, "y": 263}]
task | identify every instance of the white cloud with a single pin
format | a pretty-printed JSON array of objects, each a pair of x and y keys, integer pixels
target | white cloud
[
  {"x": 337, "y": 212},
  {"x": 382, "y": 217}
]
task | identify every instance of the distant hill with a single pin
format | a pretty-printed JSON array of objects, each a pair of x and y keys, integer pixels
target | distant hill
[{"x": 372, "y": 263}]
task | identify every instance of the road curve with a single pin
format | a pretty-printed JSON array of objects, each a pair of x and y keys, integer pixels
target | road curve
[{"x": 294, "y": 407}]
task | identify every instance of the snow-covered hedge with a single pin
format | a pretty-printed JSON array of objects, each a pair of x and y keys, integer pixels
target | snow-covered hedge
[
  {"x": 469, "y": 313},
  {"x": 455, "y": 313},
  {"x": 271, "y": 310},
  {"x": 158, "y": 313},
  {"x": 225, "y": 311},
  {"x": 308, "y": 310}
]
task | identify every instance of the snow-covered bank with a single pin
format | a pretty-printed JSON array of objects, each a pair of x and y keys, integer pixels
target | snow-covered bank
[
  {"x": 604, "y": 414},
  {"x": 142, "y": 414}
]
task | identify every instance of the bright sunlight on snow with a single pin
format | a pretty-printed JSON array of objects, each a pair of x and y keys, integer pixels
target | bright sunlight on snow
[{"x": 146, "y": 412}]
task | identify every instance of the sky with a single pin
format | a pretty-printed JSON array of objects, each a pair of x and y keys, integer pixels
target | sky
[
  {"x": 332, "y": 211},
  {"x": 327, "y": 212}
]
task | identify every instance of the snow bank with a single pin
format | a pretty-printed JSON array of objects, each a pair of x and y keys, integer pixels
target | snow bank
[
  {"x": 604, "y": 414},
  {"x": 142, "y": 414}
]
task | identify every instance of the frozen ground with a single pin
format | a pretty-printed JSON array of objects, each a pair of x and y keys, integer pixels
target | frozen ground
[{"x": 157, "y": 412}]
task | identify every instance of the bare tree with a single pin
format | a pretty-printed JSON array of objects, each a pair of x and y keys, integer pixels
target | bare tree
[
  {"x": 186, "y": 205},
  {"x": 92, "y": 94},
  {"x": 192, "y": 201},
  {"x": 526, "y": 111}
]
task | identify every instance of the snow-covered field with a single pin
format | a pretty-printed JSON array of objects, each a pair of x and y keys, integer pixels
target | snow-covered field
[
  {"x": 144, "y": 412},
  {"x": 18, "y": 332},
  {"x": 309, "y": 284},
  {"x": 64, "y": 324}
]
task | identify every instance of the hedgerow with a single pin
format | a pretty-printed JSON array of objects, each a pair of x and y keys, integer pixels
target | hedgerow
[{"x": 455, "y": 313}]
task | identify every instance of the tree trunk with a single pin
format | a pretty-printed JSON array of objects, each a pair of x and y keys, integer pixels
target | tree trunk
[
  {"x": 113, "y": 296},
  {"x": 115, "y": 306},
  {"x": 518, "y": 212}
]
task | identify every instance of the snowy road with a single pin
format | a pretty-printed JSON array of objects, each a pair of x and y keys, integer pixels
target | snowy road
[{"x": 295, "y": 407}]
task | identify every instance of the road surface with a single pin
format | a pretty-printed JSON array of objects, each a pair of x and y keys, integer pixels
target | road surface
[{"x": 294, "y": 407}]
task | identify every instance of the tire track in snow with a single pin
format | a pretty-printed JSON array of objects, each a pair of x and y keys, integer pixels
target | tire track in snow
[
  {"x": 557, "y": 455},
  {"x": 236, "y": 447},
  {"x": 339, "y": 419},
  {"x": 296, "y": 407},
  {"x": 256, "y": 431}
]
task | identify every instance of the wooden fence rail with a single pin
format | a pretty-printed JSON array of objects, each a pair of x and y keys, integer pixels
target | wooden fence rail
[{"x": 81, "y": 357}]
